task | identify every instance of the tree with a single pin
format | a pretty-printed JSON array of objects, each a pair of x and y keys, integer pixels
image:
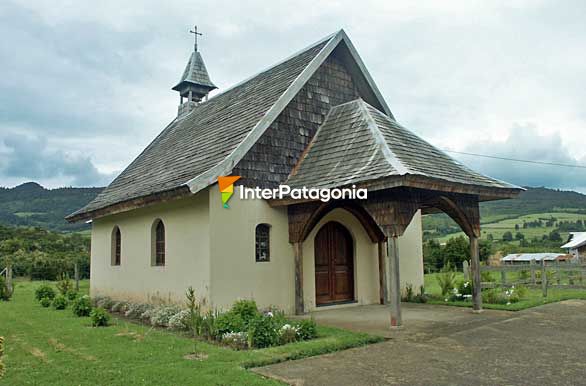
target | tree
[
  {"x": 457, "y": 250},
  {"x": 507, "y": 236},
  {"x": 519, "y": 236},
  {"x": 554, "y": 235},
  {"x": 516, "y": 227}
]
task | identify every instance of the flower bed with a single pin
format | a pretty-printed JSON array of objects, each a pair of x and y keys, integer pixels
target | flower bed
[{"x": 244, "y": 326}]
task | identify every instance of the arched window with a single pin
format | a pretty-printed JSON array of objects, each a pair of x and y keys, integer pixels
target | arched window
[
  {"x": 158, "y": 243},
  {"x": 263, "y": 242},
  {"x": 116, "y": 246}
]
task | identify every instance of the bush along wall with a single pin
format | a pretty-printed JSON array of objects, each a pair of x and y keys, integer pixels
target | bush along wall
[{"x": 244, "y": 326}]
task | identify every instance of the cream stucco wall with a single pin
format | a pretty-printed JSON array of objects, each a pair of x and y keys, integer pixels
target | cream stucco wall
[
  {"x": 213, "y": 249},
  {"x": 234, "y": 271},
  {"x": 411, "y": 255},
  {"x": 187, "y": 252}
]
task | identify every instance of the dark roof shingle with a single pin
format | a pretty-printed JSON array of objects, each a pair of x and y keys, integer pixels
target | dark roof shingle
[
  {"x": 195, "y": 143},
  {"x": 358, "y": 143}
]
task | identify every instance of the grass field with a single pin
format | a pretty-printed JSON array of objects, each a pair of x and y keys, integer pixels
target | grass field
[
  {"x": 534, "y": 297},
  {"x": 49, "y": 347},
  {"x": 498, "y": 228}
]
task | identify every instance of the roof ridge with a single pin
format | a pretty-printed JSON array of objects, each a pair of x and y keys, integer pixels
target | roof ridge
[
  {"x": 379, "y": 138},
  {"x": 208, "y": 177}
]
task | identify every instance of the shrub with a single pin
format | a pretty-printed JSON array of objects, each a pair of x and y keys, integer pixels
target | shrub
[
  {"x": 288, "y": 334},
  {"x": 229, "y": 322},
  {"x": 246, "y": 309},
  {"x": 45, "y": 302},
  {"x": 82, "y": 306},
  {"x": 135, "y": 310},
  {"x": 148, "y": 314},
  {"x": 72, "y": 295},
  {"x": 100, "y": 318},
  {"x": 277, "y": 314},
  {"x": 162, "y": 315},
  {"x": 64, "y": 285},
  {"x": 500, "y": 296},
  {"x": 487, "y": 277},
  {"x": 307, "y": 329},
  {"x": 180, "y": 321},
  {"x": 119, "y": 307},
  {"x": 262, "y": 332},
  {"x": 209, "y": 326},
  {"x": 236, "y": 340},
  {"x": 522, "y": 291},
  {"x": 421, "y": 297},
  {"x": 60, "y": 302},
  {"x": 44, "y": 291},
  {"x": 465, "y": 287},
  {"x": 446, "y": 279}
]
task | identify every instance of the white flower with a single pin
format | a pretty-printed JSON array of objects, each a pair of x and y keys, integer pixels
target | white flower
[
  {"x": 446, "y": 299},
  {"x": 270, "y": 314},
  {"x": 466, "y": 284}
]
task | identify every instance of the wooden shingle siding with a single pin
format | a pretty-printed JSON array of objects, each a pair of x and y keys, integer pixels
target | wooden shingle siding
[{"x": 270, "y": 161}]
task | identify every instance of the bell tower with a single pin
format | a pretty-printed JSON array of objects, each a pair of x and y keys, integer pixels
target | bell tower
[{"x": 195, "y": 83}]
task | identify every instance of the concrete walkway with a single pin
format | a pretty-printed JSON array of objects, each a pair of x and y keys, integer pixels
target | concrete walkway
[{"x": 451, "y": 346}]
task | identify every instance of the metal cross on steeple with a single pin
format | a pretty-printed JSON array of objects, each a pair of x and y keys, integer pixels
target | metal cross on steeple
[{"x": 195, "y": 33}]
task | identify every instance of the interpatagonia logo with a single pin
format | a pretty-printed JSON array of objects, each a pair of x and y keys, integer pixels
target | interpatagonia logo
[{"x": 226, "y": 185}]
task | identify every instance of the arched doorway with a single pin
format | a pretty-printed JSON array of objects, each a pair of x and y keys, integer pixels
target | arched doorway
[{"x": 334, "y": 264}]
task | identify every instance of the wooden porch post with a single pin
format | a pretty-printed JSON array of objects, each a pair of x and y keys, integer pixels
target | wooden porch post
[
  {"x": 382, "y": 272},
  {"x": 394, "y": 281},
  {"x": 475, "y": 264},
  {"x": 298, "y": 250}
]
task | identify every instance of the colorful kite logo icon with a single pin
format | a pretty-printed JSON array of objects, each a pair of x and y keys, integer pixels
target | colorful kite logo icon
[{"x": 226, "y": 185}]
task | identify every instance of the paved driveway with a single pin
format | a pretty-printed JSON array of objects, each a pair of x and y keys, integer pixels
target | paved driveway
[{"x": 540, "y": 346}]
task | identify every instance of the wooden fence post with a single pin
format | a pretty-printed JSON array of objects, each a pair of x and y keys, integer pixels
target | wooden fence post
[
  {"x": 543, "y": 279},
  {"x": 532, "y": 265},
  {"x": 503, "y": 277},
  {"x": 466, "y": 270},
  {"x": 559, "y": 273},
  {"x": 9, "y": 279},
  {"x": 76, "y": 275}
]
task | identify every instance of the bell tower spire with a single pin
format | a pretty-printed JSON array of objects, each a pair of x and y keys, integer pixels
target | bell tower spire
[{"x": 195, "y": 83}]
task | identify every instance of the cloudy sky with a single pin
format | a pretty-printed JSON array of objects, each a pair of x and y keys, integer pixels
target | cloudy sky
[{"x": 85, "y": 86}]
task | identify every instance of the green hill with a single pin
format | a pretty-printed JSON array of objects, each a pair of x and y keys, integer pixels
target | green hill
[
  {"x": 30, "y": 204},
  {"x": 532, "y": 205}
]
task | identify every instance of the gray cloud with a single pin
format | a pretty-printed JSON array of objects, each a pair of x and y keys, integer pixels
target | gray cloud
[
  {"x": 526, "y": 143},
  {"x": 459, "y": 73},
  {"x": 31, "y": 159}
]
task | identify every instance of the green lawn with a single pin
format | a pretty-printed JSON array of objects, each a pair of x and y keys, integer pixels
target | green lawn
[
  {"x": 498, "y": 228},
  {"x": 534, "y": 297},
  {"x": 49, "y": 347}
]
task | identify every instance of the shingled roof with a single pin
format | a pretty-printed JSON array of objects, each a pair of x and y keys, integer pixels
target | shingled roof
[
  {"x": 195, "y": 72},
  {"x": 358, "y": 143},
  {"x": 194, "y": 149}
]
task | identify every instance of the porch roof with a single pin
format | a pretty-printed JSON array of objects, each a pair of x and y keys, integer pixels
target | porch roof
[{"x": 358, "y": 144}]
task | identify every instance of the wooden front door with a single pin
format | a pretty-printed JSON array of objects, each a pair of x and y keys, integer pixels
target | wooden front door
[{"x": 334, "y": 264}]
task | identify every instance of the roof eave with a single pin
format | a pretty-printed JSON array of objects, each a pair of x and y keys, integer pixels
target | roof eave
[{"x": 130, "y": 204}]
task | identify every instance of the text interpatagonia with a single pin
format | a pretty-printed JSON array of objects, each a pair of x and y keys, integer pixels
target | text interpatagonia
[{"x": 305, "y": 193}]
